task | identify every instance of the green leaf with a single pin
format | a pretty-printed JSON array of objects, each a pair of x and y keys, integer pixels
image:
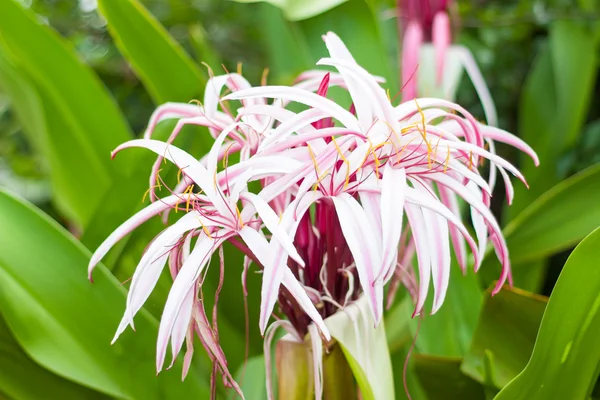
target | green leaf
[
  {"x": 288, "y": 53},
  {"x": 66, "y": 324},
  {"x": 564, "y": 363},
  {"x": 504, "y": 338},
  {"x": 555, "y": 101},
  {"x": 441, "y": 378},
  {"x": 556, "y": 221},
  {"x": 82, "y": 123},
  {"x": 295, "y": 10},
  {"x": 251, "y": 378},
  {"x": 166, "y": 70},
  {"x": 405, "y": 377},
  {"x": 370, "y": 364},
  {"x": 397, "y": 321},
  {"x": 19, "y": 371},
  {"x": 457, "y": 318}
]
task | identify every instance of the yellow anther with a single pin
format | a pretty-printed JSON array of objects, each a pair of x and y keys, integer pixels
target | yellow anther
[
  {"x": 206, "y": 231},
  {"x": 470, "y": 160},
  {"x": 423, "y": 132},
  {"x": 148, "y": 191},
  {"x": 226, "y": 157},
  {"x": 404, "y": 148},
  {"x": 394, "y": 132},
  {"x": 367, "y": 154},
  {"x": 239, "y": 68},
  {"x": 447, "y": 160},
  {"x": 239, "y": 215},
  {"x": 314, "y": 160},
  {"x": 188, "y": 191},
  {"x": 263, "y": 78},
  {"x": 345, "y": 160}
]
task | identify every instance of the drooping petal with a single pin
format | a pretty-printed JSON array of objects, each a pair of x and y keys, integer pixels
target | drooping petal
[
  {"x": 150, "y": 267},
  {"x": 458, "y": 242},
  {"x": 420, "y": 236},
  {"x": 184, "y": 161},
  {"x": 133, "y": 222},
  {"x": 440, "y": 270},
  {"x": 392, "y": 206},
  {"x": 183, "y": 284},
  {"x": 361, "y": 239},
  {"x": 271, "y": 221}
]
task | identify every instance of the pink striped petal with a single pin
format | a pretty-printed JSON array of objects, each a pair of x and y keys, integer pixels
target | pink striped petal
[
  {"x": 271, "y": 221},
  {"x": 361, "y": 238},
  {"x": 420, "y": 236},
  {"x": 133, "y": 222},
  {"x": 183, "y": 284},
  {"x": 458, "y": 242},
  {"x": 440, "y": 268},
  {"x": 392, "y": 206},
  {"x": 301, "y": 96}
]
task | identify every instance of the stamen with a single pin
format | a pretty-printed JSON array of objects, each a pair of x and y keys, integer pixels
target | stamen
[
  {"x": 345, "y": 160},
  {"x": 239, "y": 217},
  {"x": 148, "y": 191},
  {"x": 424, "y": 134},
  {"x": 447, "y": 160},
  {"x": 263, "y": 78},
  {"x": 404, "y": 148},
  {"x": 314, "y": 160}
]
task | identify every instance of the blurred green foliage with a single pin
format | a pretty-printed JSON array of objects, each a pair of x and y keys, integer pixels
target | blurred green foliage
[{"x": 540, "y": 60}]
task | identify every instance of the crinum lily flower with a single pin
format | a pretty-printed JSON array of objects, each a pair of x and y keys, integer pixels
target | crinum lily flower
[
  {"x": 327, "y": 225},
  {"x": 431, "y": 63}
]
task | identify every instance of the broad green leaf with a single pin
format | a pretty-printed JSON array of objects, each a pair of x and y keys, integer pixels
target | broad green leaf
[
  {"x": 166, "y": 70},
  {"x": 397, "y": 323},
  {"x": 66, "y": 324},
  {"x": 82, "y": 123},
  {"x": 441, "y": 378},
  {"x": 557, "y": 220},
  {"x": 19, "y": 371},
  {"x": 52, "y": 135},
  {"x": 407, "y": 384},
  {"x": 288, "y": 53},
  {"x": 554, "y": 104},
  {"x": 365, "y": 348},
  {"x": 564, "y": 363},
  {"x": 296, "y": 10},
  {"x": 252, "y": 379},
  {"x": 25, "y": 102},
  {"x": 457, "y": 318},
  {"x": 504, "y": 336}
]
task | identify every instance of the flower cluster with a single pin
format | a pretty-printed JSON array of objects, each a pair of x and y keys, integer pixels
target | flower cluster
[{"x": 346, "y": 197}]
